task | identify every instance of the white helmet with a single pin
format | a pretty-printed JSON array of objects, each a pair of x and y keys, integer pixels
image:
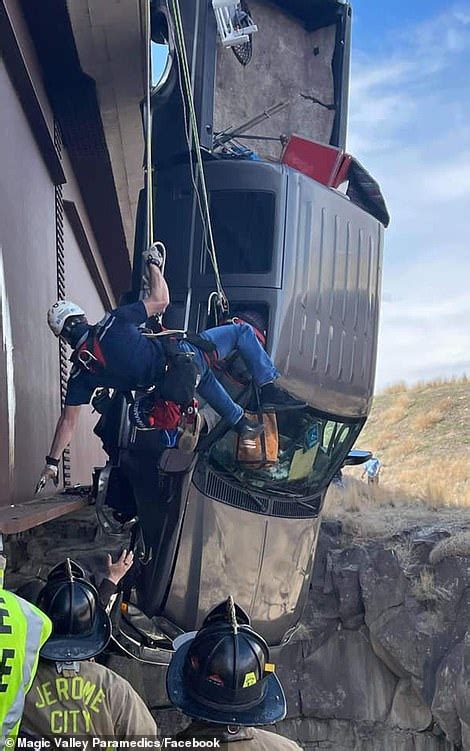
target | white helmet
[{"x": 58, "y": 314}]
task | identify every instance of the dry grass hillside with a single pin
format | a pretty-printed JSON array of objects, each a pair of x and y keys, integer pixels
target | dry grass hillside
[{"x": 422, "y": 437}]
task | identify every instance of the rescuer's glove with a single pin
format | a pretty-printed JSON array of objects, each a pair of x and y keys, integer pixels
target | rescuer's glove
[{"x": 49, "y": 472}]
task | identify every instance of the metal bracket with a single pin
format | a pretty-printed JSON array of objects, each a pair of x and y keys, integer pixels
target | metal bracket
[
  {"x": 65, "y": 667},
  {"x": 229, "y": 16}
]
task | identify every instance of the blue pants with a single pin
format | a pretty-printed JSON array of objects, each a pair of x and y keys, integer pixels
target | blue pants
[{"x": 234, "y": 336}]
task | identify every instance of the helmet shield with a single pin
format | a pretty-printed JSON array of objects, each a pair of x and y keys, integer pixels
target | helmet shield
[{"x": 69, "y": 327}]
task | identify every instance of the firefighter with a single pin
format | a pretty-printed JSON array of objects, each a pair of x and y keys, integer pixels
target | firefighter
[
  {"x": 221, "y": 677},
  {"x": 71, "y": 695},
  {"x": 116, "y": 354},
  {"x": 23, "y": 631},
  {"x": 107, "y": 587}
]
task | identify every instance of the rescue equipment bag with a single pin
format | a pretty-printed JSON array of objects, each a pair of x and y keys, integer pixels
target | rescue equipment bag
[
  {"x": 149, "y": 412},
  {"x": 180, "y": 379},
  {"x": 181, "y": 373}
]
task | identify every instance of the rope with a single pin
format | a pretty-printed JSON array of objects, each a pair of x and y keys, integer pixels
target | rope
[
  {"x": 205, "y": 209},
  {"x": 148, "y": 120},
  {"x": 148, "y": 166}
]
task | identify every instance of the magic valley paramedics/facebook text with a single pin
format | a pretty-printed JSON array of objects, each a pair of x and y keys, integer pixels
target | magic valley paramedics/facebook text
[{"x": 87, "y": 744}]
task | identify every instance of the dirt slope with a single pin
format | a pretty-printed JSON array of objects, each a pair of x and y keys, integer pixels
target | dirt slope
[{"x": 422, "y": 437}]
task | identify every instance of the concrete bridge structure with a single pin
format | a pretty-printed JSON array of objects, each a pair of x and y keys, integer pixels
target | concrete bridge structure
[{"x": 72, "y": 79}]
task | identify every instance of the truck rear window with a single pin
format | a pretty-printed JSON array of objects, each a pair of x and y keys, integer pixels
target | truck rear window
[{"x": 243, "y": 226}]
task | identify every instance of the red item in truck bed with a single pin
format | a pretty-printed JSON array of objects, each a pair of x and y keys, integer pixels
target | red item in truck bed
[{"x": 326, "y": 164}]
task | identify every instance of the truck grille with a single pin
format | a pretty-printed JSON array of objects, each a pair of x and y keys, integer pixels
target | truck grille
[{"x": 219, "y": 488}]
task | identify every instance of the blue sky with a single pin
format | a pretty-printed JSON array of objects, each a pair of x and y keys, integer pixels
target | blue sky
[
  {"x": 410, "y": 125},
  {"x": 159, "y": 56}
]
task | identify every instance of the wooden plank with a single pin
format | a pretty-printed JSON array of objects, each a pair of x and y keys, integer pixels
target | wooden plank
[{"x": 23, "y": 516}]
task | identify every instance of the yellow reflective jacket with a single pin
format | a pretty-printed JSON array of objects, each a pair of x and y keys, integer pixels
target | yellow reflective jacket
[{"x": 23, "y": 631}]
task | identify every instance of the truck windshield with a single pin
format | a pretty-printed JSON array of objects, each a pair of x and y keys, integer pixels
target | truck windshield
[{"x": 311, "y": 450}]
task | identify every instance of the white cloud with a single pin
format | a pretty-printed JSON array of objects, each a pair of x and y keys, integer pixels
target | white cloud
[
  {"x": 416, "y": 67},
  {"x": 450, "y": 179},
  {"x": 427, "y": 311},
  {"x": 419, "y": 348},
  {"x": 410, "y": 109}
]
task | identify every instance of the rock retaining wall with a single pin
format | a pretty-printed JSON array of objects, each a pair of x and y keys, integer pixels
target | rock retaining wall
[
  {"x": 377, "y": 664},
  {"x": 381, "y": 661}
]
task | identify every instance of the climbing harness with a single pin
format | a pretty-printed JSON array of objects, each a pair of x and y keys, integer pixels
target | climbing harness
[
  {"x": 165, "y": 336},
  {"x": 88, "y": 355},
  {"x": 166, "y": 405}
]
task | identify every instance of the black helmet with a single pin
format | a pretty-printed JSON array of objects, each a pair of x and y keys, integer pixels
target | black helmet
[
  {"x": 223, "y": 675},
  {"x": 81, "y": 627}
]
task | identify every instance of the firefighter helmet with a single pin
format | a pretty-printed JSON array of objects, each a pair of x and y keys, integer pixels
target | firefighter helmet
[
  {"x": 81, "y": 627},
  {"x": 222, "y": 673}
]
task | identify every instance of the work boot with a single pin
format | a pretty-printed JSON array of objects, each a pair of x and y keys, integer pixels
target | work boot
[
  {"x": 247, "y": 429},
  {"x": 275, "y": 399}
]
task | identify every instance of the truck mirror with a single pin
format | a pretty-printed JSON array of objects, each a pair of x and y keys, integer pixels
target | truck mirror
[{"x": 356, "y": 456}]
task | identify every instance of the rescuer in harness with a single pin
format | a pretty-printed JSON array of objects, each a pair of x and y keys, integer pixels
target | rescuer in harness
[
  {"x": 23, "y": 631},
  {"x": 117, "y": 354},
  {"x": 71, "y": 695},
  {"x": 221, "y": 677}
]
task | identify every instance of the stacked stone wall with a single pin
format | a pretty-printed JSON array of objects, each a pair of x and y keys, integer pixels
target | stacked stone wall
[{"x": 381, "y": 660}]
